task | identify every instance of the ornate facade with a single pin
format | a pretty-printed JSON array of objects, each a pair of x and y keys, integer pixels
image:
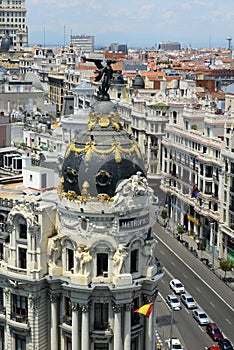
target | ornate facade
[{"x": 76, "y": 262}]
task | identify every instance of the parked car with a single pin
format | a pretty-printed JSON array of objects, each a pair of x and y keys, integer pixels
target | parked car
[
  {"x": 175, "y": 344},
  {"x": 200, "y": 316},
  {"x": 214, "y": 332},
  {"x": 212, "y": 347},
  {"x": 225, "y": 344},
  {"x": 173, "y": 302},
  {"x": 188, "y": 301},
  {"x": 176, "y": 286}
]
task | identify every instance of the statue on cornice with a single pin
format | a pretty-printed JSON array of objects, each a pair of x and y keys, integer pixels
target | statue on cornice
[{"x": 104, "y": 74}]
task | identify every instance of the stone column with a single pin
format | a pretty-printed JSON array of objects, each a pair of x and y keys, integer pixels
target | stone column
[
  {"x": 54, "y": 321},
  {"x": 117, "y": 328},
  {"x": 127, "y": 327},
  {"x": 75, "y": 327},
  {"x": 85, "y": 328}
]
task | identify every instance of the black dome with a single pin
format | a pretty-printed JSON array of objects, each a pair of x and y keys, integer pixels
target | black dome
[
  {"x": 138, "y": 82},
  {"x": 6, "y": 42},
  {"x": 102, "y": 156}
]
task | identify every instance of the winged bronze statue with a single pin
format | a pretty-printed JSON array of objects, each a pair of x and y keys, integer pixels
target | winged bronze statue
[{"x": 104, "y": 74}]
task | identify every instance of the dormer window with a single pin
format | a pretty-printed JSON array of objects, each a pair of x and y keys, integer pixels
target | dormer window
[
  {"x": 23, "y": 231},
  {"x": 102, "y": 264},
  {"x": 70, "y": 259},
  {"x": 134, "y": 260}
]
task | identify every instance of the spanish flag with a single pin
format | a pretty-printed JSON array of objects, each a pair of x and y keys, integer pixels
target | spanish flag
[{"x": 145, "y": 309}]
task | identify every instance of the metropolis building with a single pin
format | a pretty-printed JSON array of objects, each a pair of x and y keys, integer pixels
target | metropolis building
[{"x": 77, "y": 261}]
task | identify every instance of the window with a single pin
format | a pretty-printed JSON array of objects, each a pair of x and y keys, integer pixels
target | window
[
  {"x": 135, "y": 317},
  {"x": 2, "y": 346},
  {"x": 208, "y": 188},
  {"x": 68, "y": 343},
  {"x": 22, "y": 258},
  {"x": 20, "y": 342},
  {"x": 101, "y": 316},
  {"x": 19, "y": 308},
  {"x": 102, "y": 263},
  {"x": 134, "y": 260},
  {"x": 1, "y": 251},
  {"x": 67, "y": 311},
  {"x": 23, "y": 231},
  {"x": 70, "y": 259}
]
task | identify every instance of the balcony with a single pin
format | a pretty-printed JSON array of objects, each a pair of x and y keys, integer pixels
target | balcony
[{"x": 19, "y": 318}]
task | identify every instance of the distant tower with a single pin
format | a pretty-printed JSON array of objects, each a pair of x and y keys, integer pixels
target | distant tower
[{"x": 229, "y": 39}]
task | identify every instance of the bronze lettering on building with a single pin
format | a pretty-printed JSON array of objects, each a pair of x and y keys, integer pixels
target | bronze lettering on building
[{"x": 129, "y": 224}]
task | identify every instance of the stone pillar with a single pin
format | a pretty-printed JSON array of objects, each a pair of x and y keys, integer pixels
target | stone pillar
[
  {"x": 85, "y": 328},
  {"x": 127, "y": 327},
  {"x": 117, "y": 328},
  {"x": 75, "y": 327},
  {"x": 54, "y": 334}
]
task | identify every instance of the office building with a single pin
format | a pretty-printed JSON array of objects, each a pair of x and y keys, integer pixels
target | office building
[
  {"x": 83, "y": 43},
  {"x": 13, "y": 21}
]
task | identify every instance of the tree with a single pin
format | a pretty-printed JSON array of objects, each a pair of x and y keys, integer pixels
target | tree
[
  {"x": 164, "y": 215},
  {"x": 226, "y": 265}
]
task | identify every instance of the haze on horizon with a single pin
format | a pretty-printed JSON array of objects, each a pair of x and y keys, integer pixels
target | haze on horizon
[{"x": 195, "y": 23}]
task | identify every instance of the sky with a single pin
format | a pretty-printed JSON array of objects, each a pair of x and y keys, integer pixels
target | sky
[{"x": 137, "y": 23}]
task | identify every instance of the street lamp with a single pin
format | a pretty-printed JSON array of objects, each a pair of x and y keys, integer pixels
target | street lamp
[{"x": 172, "y": 320}]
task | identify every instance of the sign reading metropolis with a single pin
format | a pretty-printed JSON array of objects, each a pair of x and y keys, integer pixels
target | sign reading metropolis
[{"x": 129, "y": 224}]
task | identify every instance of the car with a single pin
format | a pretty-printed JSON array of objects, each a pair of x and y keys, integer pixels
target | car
[
  {"x": 200, "y": 316},
  {"x": 212, "y": 347},
  {"x": 176, "y": 286},
  {"x": 173, "y": 302},
  {"x": 224, "y": 344},
  {"x": 175, "y": 344},
  {"x": 213, "y": 331},
  {"x": 188, "y": 301}
]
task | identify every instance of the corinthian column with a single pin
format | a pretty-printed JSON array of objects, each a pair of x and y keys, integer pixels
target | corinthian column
[
  {"x": 75, "y": 328},
  {"x": 127, "y": 327},
  {"x": 117, "y": 328},
  {"x": 54, "y": 321},
  {"x": 85, "y": 328}
]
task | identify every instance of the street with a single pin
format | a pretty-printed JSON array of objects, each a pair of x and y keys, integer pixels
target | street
[{"x": 211, "y": 294}]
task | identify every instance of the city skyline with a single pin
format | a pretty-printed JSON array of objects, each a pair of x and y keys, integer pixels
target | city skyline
[{"x": 136, "y": 23}]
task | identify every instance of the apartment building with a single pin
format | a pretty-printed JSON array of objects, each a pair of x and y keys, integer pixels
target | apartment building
[
  {"x": 13, "y": 21},
  {"x": 192, "y": 173}
]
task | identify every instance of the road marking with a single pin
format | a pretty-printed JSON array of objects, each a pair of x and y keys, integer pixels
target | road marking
[
  {"x": 198, "y": 289},
  {"x": 212, "y": 304},
  {"x": 201, "y": 328},
  {"x": 228, "y": 321},
  {"x": 172, "y": 263},
  {"x": 195, "y": 273},
  {"x": 185, "y": 276}
]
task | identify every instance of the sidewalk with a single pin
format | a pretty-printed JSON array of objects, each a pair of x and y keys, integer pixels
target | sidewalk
[{"x": 209, "y": 259}]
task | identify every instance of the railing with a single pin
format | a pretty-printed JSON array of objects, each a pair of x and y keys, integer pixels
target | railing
[
  {"x": 101, "y": 326},
  {"x": 19, "y": 318}
]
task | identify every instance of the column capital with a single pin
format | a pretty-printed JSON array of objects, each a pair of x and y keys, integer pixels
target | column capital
[
  {"x": 128, "y": 307},
  {"x": 74, "y": 306},
  {"x": 53, "y": 298},
  {"x": 117, "y": 308},
  {"x": 34, "y": 301},
  {"x": 84, "y": 308}
]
